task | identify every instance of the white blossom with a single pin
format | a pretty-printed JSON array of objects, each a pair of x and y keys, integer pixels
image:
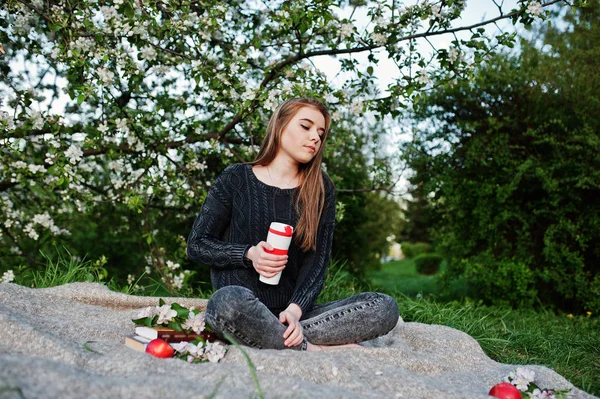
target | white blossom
[
  {"x": 178, "y": 281},
  {"x": 36, "y": 168},
  {"x": 18, "y": 165},
  {"x": 346, "y": 30},
  {"x": 21, "y": 24},
  {"x": 39, "y": 4},
  {"x": 150, "y": 311},
  {"x": 105, "y": 75},
  {"x": 422, "y": 77},
  {"x": 165, "y": 314},
  {"x": 103, "y": 128},
  {"x": 435, "y": 10},
  {"x": 357, "y": 108},
  {"x": 7, "y": 277},
  {"x": 44, "y": 219},
  {"x": 336, "y": 115},
  {"x": 454, "y": 54},
  {"x": 379, "y": 38},
  {"x": 148, "y": 53},
  {"x": 534, "y": 8},
  {"x": 122, "y": 125},
  {"x": 83, "y": 44},
  {"x": 74, "y": 154},
  {"x": 282, "y": 14},
  {"x": 36, "y": 120},
  {"x": 109, "y": 12},
  {"x": 31, "y": 232},
  {"x": 214, "y": 351},
  {"x": 172, "y": 266},
  {"x": 195, "y": 322},
  {"x": 521, "y": 378}
]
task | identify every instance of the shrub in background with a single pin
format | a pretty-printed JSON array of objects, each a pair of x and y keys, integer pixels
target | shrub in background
[
  {"x": 412, "y": 249},
  {"x": 513, "y": 170},
  {"x": 428, "y": 263}
]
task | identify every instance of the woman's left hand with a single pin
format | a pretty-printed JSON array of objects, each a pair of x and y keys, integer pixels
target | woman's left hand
[{"x": 293, "y": 335}]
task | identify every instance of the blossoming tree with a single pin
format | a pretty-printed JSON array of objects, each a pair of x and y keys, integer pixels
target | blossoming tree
[{"x": 136, "y": 105}]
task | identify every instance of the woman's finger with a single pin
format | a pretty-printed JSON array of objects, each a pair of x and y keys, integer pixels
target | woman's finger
[{"x": 295, "y": 338}]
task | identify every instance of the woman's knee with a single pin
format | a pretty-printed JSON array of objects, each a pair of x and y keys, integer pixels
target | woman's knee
[
  {"x": 389, "y": 312},
  {"x": 227, "y": 301}
]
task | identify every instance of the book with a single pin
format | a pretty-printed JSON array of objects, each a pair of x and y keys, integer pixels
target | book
[
  {"x": 138, "y": 343},
  {"x": 170, "y": 335}
]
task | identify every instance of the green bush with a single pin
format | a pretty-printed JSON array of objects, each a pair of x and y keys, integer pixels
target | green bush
[
  {"x": 514, "y": 174},
  {"x": 501, "y": 281},
  {"x": 428, "y": 263},
  {"x": 412, "y": 249}
]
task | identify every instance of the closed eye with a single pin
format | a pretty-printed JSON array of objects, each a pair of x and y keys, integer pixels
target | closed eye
[{"x": 305, "y": 127}]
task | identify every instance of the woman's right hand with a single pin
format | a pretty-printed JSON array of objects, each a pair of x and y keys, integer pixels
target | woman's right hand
[{"x": 266, "y": 264}]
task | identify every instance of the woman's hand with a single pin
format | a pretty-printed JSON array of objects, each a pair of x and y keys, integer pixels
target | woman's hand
[
  {"x": 266, "y": 264},
  {"x": 293, "y": 334}
]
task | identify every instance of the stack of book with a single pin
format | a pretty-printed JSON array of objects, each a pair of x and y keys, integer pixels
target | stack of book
[{"x": 143, "y": 335}]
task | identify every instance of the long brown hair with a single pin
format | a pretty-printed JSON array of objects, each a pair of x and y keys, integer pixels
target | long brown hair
[{"x": 310, "y": 194}]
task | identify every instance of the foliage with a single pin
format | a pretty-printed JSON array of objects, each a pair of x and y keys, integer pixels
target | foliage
[
  {"x": 428, "y": 263},
  {"x": 513, "y": 169},
  {"x": 353, "y": 160},
  {"x": 419, "y": 216},
  {"x": 412, "y": 249},
  {"x": 63, "y": 268},
  {"x": 116, "y": 116},
  {"x": 339, "y": 283}
]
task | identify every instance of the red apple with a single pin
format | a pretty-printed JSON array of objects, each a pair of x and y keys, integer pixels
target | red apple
[
  {"x": 160, "y": 348},
  {"x": 505, "y": 390}
]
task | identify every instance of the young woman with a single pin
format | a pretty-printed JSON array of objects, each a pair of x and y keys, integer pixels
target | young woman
[{"x": 284, "y": 184}]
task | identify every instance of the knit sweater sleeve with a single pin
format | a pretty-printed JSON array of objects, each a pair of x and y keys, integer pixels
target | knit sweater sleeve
[
  {"x": 205, "y": 243},
  {"x": 314, "y": 269}
]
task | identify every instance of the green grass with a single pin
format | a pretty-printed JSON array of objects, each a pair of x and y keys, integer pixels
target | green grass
[{"x": 401, "y": 277}]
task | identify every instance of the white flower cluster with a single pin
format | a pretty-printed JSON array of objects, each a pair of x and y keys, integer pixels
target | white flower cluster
[
  {"x": 521, "y": 378},
  {"x": 534, "y": 8},
  {"x": 379, "y": 38},
  {"x": 211, "y": 351},
  {"x": 195, "y": 322},
  {"x": 346, "y": 30},
  {"x": 46, "y": 221},
  {"x": 74, "y": 154},
  {"x": 454, "y": 54},
  {"x": 7, "y": 277},
  {"x": 541, "y": 394}
]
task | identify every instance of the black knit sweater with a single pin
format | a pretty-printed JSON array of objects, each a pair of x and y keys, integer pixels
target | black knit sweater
[{"x": 236, "y": 215}]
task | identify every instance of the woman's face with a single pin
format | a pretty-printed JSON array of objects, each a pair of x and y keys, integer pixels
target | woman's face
[{"x": 301, "y": 138}]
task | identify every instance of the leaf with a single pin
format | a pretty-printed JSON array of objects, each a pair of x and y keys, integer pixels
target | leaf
[
  {"x": 142, "y": 321},
  {"x": 182, "y": 312},
  {"x": 175, "y": 325},
  {"x": 80, "y": 99},
  {"x": 86, "y": 347},
  {"x": 161, "y": 302},
  {"x": 370, "y": 70}
]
